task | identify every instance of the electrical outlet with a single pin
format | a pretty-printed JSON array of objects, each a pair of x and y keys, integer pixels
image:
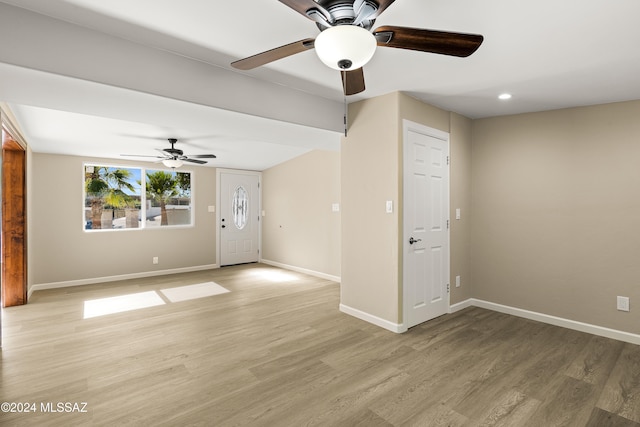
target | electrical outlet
[
  {"x": 155, "y": 259},
  {"x": 623, "y": 303}
]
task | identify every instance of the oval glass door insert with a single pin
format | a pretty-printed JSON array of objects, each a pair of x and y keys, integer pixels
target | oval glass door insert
[{"x": 240, "y": 207}]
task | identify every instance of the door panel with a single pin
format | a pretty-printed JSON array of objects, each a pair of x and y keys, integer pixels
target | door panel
[
  {"x": 426, "y": 215},
  {"x": 239, "y": 217}
]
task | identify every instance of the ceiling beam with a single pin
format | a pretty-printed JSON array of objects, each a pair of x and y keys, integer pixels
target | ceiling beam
[{"x": 43, "y": 43}]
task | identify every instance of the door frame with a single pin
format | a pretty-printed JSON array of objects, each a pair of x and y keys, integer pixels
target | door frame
[
  {"x": 407, "y": 126},
  {"x": 219, "y": 172},
  {"x": 13, "y": 274}
]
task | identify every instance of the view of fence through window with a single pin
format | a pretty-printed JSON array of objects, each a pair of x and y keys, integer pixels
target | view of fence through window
[{"x": 113, "y": 198}]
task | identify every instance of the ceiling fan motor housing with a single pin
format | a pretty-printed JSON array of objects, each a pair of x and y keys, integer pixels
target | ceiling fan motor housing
[
  {"x": 173, "y": 151},
  {"x": 344, "y": 12}
]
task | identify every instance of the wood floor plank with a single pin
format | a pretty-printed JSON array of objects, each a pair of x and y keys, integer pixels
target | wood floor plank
[
  {"x": 512, "y": 409},
  {"x": 602, "y": 418},
  {"x": 540, "y": 378},
  {"x": 512, "y": 351},
  {"x": 276, "y": 351},
  {"x": 338, "y": 400},
  {"x": 595, "y": 363},
  {"x": 570, "y": 404},
  {"x": 438, "y": 415},
  {"x": 621, "y": 394}
]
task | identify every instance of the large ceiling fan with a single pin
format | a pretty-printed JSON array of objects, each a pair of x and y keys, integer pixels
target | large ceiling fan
[
  {"x": 346, "y": 41},
  {"x": 174, "y": 157}
]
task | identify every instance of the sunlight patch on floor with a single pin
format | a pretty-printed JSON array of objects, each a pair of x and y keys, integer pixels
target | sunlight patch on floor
[
  {"x": 201, "y": 290},
  {"x": 273, "y": 275},
  {"x": 121, "y": 303}
]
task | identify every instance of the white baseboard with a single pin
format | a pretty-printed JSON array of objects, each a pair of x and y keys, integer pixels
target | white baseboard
[
  {"x": 552, "y": 320},
  {"x": 390, "y": 326},
  {"x": 302, "y": 270},
  {"x": 80, "y": 282},
  {"x": 460, "y": 305},
  {"x": 531, "y": 315}
]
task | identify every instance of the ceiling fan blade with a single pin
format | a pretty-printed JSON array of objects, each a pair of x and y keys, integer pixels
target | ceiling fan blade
[
  {"x": 203, "y": 156},
  {"x": 302, "y": 6},
  {"x": 442, "y": 42},
  {"x": 382, "y": 5},
  {"x": 141, "y": 155},
  {"x": 200, "y": 162},
  {"x": 273, "y": 55},
  {"x": 352, "y": 81}
]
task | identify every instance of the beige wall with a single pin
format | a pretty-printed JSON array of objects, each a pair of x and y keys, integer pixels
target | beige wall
[
  {"x": 371, "y": 165},
  {"x": 60, "y": 250},
  {"x": 556, "y": 212},
  {"x": 369, "y": 176},
  {"x": 460, "y": 185},
  {"x": 299, "y": 228}
]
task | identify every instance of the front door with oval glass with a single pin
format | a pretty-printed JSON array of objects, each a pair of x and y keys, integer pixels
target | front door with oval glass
[{"x": 239, "y": 217}]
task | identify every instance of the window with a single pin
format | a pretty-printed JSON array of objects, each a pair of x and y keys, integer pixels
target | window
[
  {"x": 114, "y": 198},
  {"x": 168, "y": 198}
]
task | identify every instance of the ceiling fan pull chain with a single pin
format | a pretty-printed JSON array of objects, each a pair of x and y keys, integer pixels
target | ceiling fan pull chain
[
  {"x": 346, "y": 112},
  {"x": 346, "y": 106}
]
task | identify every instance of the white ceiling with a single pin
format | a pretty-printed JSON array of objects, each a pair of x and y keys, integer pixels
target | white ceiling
[{"x": 549, "y": 54}]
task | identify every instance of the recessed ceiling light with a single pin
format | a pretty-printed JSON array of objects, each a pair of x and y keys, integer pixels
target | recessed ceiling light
[{"x": 504, "y": 96}]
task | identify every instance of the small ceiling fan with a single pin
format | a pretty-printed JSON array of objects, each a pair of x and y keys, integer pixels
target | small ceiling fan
[
  {"x": 174, "y": 157},
  {"x": 346, "y": 41}
]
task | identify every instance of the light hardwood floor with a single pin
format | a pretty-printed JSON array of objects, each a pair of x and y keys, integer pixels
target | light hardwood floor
[{"x": 275, "y": 351}]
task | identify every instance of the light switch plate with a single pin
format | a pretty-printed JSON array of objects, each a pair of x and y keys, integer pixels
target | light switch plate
[
  {"x": 211, "y": 208},
  {"x": 457, "y": 213},
  {"x": 389, "y": 206},
  {"x": 623, "y": 303},
  {"x": 335, "y": 207}
]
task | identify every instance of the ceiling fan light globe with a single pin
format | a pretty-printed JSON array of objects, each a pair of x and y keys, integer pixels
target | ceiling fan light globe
[
  {"x": 339, "y": 45},
  {"x": 172, "y": 163}
]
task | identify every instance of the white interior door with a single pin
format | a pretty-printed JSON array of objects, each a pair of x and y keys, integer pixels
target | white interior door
[
  {"x": 239, "y": 217},
  {"x": 426, "y": 223}
]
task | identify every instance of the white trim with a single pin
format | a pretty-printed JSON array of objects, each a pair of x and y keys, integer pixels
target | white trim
[
  {"x": 302, "y": 270},
  {"x": 390, "y": 326},
  {"x": 549, "y": 319},
  {"x": 460, "y": 305},
  {"x": 8, "y": 119},
  {"x": 425, "y": 130},
  {"x": 94, "y": 280}
]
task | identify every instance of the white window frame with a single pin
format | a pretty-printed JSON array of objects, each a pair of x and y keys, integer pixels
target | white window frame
[{"x": 143, "y": 198}]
